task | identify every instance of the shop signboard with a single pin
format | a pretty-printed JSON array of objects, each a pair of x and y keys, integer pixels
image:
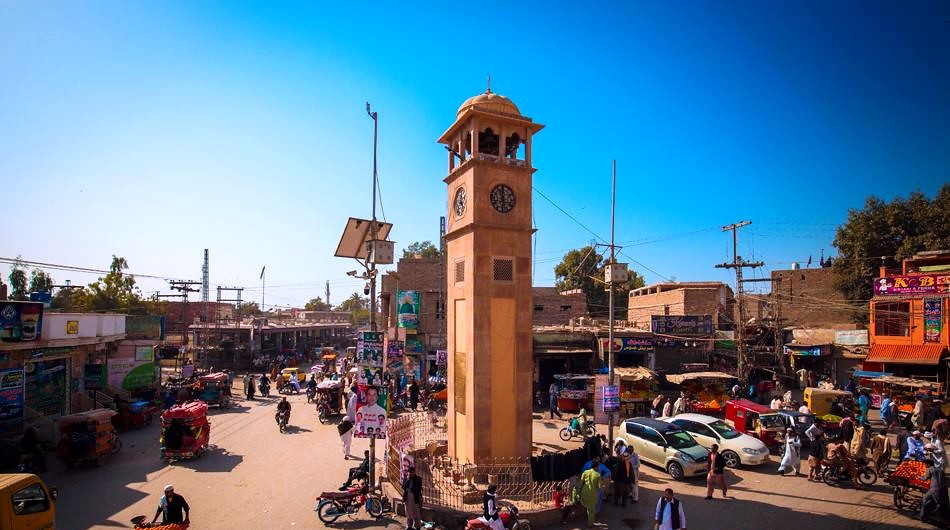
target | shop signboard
[
  {"x": 933, "y": 319},
  {"x": 628, "y": 344},
  {"x": 94, "y": 376},
  {"x": 913, "y": 284},
  {"x": 144, "y": 353},
  {"x": 682, "y": 325},
  {"x": 129, "y": 374},
  {"x": 611, "y": 398},
  {"x": 408, "y": 310},
  {"x": 11, "y": 400},
  {"x": 807, "y": 351},
  {"x": 46, "y": 386},
  {"x": 20, "y": 321}
]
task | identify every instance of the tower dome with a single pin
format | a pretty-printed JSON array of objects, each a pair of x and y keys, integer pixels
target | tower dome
[{"x": 491, "y": 102}]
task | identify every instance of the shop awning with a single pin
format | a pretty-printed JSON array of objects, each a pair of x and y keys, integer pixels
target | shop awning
[
  {"x": 905, "y": 354},
  {"x": 635, "y": 373},
  {"x": 677, "y": 379}
]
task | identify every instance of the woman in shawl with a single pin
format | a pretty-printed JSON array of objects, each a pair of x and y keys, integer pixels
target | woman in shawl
[
  {"x": 792, "y": 459},
  {"x": 589, "y": 489},
  {"x": 579, "y": 423}
]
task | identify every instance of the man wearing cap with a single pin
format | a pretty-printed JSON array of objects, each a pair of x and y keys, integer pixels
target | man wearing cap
[
  {"x": 171, "y": 507},
  {"x": 915, "y": 447}
]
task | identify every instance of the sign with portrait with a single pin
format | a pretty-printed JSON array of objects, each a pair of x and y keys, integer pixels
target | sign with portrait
[
  {"x": 371, "y": 412},
  {"x": 371, "y": 354},
  {"x": 408, "y": 309}
]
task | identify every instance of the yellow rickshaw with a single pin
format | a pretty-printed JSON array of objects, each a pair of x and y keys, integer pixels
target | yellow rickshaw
[{"x": 822, "y": 402}]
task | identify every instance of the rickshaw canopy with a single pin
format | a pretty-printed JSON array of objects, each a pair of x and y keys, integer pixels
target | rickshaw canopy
[{"x": 96, "y": 415}]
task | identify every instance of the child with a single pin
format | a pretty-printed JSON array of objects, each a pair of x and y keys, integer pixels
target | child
[{"x": 561, "y": 503}]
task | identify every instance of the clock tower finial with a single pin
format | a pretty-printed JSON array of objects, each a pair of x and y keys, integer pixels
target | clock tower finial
[{"x": 488, "y": 90}]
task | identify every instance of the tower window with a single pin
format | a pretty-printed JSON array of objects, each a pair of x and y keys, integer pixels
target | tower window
[
  {"x": 488, "y": 142},
  {"x": 502, "y": 269},
  {"x": 513, "y": 147},
  {"x": 460, "y": 271}
]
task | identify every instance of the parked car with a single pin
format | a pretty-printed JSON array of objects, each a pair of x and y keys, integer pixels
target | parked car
[
  {"x": 735, "y": 447},
  {"x": 26, "y": 503},
  {"x": 665, "y": 445}
]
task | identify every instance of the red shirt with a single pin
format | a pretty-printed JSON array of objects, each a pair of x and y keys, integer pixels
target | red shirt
[{"x": 558, "y": 499}]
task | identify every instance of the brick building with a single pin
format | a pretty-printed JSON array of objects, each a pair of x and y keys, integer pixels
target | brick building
[
  {"x": 427, "y": 276},
  {"x": 552, "y": 308},
  {"x": 681, "y": 299},
  {"x": 807, "y": 298},
  {"x": 180, "y": 315}
]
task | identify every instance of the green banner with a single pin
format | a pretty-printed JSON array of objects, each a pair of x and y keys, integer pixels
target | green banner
[{"x": 408, "y": 309}]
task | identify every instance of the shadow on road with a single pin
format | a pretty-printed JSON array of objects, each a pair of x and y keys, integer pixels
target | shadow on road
[
  {"x": 216, "y": 460},
  {"x": 293, "y": 429}
]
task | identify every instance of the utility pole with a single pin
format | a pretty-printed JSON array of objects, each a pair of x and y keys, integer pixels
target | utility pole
[
  {"x": 611, "y": 361},
  {"x": 738, "y": 264},
  {"x": 372, "y": 279},
  {"x": 69, "y": 291},
  {"x": 328, "y": 295}
]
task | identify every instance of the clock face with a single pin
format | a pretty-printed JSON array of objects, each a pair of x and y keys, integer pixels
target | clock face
[
  {"x": 459, "y": 203},
  {"x": 502, "y": 198}
]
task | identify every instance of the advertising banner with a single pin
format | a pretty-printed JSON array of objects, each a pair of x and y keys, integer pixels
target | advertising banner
[
  {"x": 807, "y": 351},
  {"x": 408, "y": 309},
  {"x": 94, "y": 376},
  {"x": 129, "y": 374},
  {"x": 913, "y": 284},
  {"x": 47, "y": 386},
  {"x": 611, "y": 398},
  {"x": 371, "y": 354},
  {"x": 682, "y": 325},
  {"x": 371, "y": 412},
  {"x": 394, "y": 349},
  {"x": 414, "y": 345},
  {"x": 144, "y": 353},
  {"x": 11, "y": 400},
  {"x": 20, "y": 321},
  {"x": 628, "y": 345},
  {"x": 933, "y": 319},
  {"x": 441, "y": 357}
]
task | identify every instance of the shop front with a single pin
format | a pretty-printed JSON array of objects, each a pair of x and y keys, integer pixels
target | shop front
[
  {"x": 629, "y": 351},
  {"x": 811, "y": 358},
  {"x": 919, "y": 361}
]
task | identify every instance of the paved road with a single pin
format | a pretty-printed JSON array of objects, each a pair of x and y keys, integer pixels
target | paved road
[{"x": 256, "y": 477}]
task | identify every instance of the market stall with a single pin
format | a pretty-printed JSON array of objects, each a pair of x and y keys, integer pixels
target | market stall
[
  {"x": 904, "y": 391},
  {"x": 871, "y": 381},
  {"x": 638, "y": 385},
  {"x": 574, "y": 392},
  {"x": 707, "y": 392}
]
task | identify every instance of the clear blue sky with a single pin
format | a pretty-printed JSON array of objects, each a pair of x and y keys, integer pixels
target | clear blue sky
[{"x": 153, "y": 130}]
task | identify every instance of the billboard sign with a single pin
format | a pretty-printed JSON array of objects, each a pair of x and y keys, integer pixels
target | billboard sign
[
  {"x": 933, "y": 319},
  {"x": 371, "y": 412},
  {"x": 20, "y": 321},
  {"x": 913, "y": 284},
  {"x": 11, "y": 400},
  {"x": 129, "y": 374},
  {"x": 629, "y": 344},
  {"x": 682, "y": 325},
  {"x": 408, "y": 309}
]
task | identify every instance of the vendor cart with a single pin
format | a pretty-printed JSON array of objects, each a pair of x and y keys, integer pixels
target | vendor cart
[
  {"x": 909, "y": 488},
  {"x": 638, "y": 385},
  {"x": 214, "y": 389},
  {"x": 142, "y": 413},
  {"x": 706, "y": 391},
  {"x": 87, "y": 437},
  {"x": 904, "y": 391},
  {"x": 185, "y": 431},
  {"x": 574, "y": 392}
]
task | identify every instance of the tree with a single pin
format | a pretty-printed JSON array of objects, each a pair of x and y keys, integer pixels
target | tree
[
  {"x": 17, "y": 279},
  {"x": 317, "y": 304},
  {"x": 883, "y": 234},
  {"x": 40, "y": 281},
  {"x": 583, "y": 269},
  {"x": 247, "y": 309},
  {"x": 115, "y": 291},
  {"x": 357, "y": 306},
  {"x": 423, "y": 249}
]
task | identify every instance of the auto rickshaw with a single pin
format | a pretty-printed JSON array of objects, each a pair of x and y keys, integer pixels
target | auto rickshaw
[
  {"x": 185, "y": 431},
  {"x": 141, "y": 413},
  {"x": 329, "y": 399},
  {"x": 87, "y": 437},
  {"x": 214, "y": 389},
  {"x": 822, "y": 402},
  {"x": 756, "y": 420},
  {"x": 25, "y": 502}
]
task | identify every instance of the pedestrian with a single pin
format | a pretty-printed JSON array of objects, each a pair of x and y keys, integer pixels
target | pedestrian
[
  {"x": 604, "y": 472},
  {"x": 552, "y": 401},
  {"x": 715, "y": 472},
  {"x": 815, "y": 451},
  {"x": 589, "y": 493},
  {"x": 345, "y": 427},
  {"x": 657, "y": 405},
  {"x": 847, "y": 428},
  {"x": 171, "y": 506},
  {"x": 864, "y": 403},
  {"x": 561, "y": 502},
  {"x": 669, "y": 513},
  {"x": 935, "y": 500},
  {"x": 776, "y": 403},
  {"x": 881, "y": 451},
  {"x": 915, "y": 447},
  {"x": 412, "y": 497},
  {"x": 413, "y": 394},
  {"x": 620, "y": 448},
  {"x": 634, "y": 473},
  {"x": 791, "y": 460},
  {"x": 667, "y": 409},
  {"x": 859, "y": 442},
  {"x": 622, "y": 477},
  {"x": 679, "y": 406},
  {"x": 917, "y": 417},
  {"x": 886, "y": 410}
]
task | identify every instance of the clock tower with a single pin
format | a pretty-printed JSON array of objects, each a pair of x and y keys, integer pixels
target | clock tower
[{"x": 488, "y": 257}]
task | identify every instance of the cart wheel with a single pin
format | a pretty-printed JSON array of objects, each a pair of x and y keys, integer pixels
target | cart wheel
[
  {"x": 898, "y": 498},
  {"x": 116, "y": 445},
  {"x": 99, "y": 462}
]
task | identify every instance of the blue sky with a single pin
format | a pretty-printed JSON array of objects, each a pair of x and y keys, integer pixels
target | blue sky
[{"x": 153, "y": 130}]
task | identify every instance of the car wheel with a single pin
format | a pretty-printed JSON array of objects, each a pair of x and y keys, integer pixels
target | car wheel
[
  {"x": 675, "y": 470},
  {"x": 731, "y": 459}
]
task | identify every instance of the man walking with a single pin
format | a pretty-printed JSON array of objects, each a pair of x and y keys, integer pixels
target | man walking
[
  {"x": 621, "y": 476},
  {"x": 552, "y": 401},
  {"x": 634, "y": 473},
  {"x": 412, "y": 496},
  {"x": 589, "y": 492},
  {"x": 346, "y": 426},
  {"x": 881, "y": 451},
  {"x": 715, "y": 470},
  {"x": 669, "y": 513}
]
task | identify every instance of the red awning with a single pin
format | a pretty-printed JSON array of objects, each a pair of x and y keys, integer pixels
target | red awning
[{"x": 901, "y": 354}]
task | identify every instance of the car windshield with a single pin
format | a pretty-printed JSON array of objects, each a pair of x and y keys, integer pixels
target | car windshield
[
  {"x": 723, "y": 429},
  {"x": 679, "y": 439}
]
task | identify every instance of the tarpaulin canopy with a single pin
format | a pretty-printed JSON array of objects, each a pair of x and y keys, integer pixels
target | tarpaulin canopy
[
  {"x": 636, "y": 373},
  {"x": 906, "y": 381},
  {"x": 678, "y": 379}
]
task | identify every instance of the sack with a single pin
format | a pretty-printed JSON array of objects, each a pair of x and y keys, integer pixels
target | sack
[{"x": 344, "y": 427}]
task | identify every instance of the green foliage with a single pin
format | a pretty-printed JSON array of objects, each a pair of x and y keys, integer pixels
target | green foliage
[
  {"x": 40, "y": 281},
  {"x": 583, "y": 269},
  {"x": 115, "y": 291},
  {"x": 423, "y": 249},
  {"x": 17, "y": 277},
  {"x": 358, "y": 306},
  {"x": 317, "y": 304},
  {"x": 247, "y": 309},
  {"x": 894, "y": 230}
]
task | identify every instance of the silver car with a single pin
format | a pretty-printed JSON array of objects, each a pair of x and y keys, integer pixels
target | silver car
[{"x": 665, "y": 445}]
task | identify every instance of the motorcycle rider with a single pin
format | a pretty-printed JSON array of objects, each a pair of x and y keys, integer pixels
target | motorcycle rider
[
  {"x": 294, "y": 383},
  {"x": 490, "y": 515},
  {"x": 34, "y": 447},
  {"x": 284, "y": 405},
  {"x": 579, "y": 423},
  {"x": 264, "y": 385},
  {"x": 838, "y": 454},
  {"x": 311, "y": 386}
]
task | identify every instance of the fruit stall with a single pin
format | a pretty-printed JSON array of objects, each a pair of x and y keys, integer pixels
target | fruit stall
[
  {"x": 707, "y": 392},
  {"x": 638, "y": 385},
  {"x": 574, "y": 392}
]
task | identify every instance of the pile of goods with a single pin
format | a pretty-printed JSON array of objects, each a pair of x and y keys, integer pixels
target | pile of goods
[{"x": 910, "y": 472}]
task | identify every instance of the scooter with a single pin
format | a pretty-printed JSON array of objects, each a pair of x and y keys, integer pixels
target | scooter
[
  {"x": 509, "y": 518},
  {"x": 282, "y": 418},
  {"x": 572, "y": 430}
]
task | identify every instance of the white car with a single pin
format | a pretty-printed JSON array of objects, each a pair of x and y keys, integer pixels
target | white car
[{"x": 735, "y": 447}]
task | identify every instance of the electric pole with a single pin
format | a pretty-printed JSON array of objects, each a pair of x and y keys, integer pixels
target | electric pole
[
  {"x": 738, "y": 264},
  {"x": 611, "y": 361}
]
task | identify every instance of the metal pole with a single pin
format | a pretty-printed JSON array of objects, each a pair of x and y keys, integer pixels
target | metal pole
[
  {"x": 610, "y": 285},
  {"x": 372, "y": 285}
]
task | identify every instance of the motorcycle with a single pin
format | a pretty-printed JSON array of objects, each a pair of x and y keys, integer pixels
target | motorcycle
[
  {"x": 509, "y": 518},
  {"x": 265, "y": 389},
  {"x": 282, "y": 417},
  {"x": 331, "y": 505},
  {"x": 569, "y": 432},
  {"x": 311, "y": 392},
  {"x": 833, "y": 472}
]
